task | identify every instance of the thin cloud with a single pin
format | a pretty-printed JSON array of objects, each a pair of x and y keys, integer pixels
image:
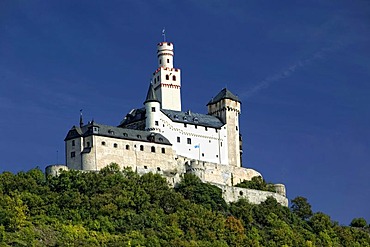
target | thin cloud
[{"x": 287, "y": 72}]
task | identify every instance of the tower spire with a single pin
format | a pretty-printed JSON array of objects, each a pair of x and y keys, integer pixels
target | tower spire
[{"x": 81, "y": 122}]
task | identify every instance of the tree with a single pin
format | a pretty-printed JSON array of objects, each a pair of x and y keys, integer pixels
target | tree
[
  {"x": 301, "y": 207},
  {"x": 358, "y": 222}
]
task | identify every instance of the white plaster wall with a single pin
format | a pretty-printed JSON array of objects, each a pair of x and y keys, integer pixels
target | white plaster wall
[
  {"x": 212, "y": 144},
  {"x": 168, "y": 91}
]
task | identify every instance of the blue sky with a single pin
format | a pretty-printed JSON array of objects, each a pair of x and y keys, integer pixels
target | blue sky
[{"x": 301, "y": 68}]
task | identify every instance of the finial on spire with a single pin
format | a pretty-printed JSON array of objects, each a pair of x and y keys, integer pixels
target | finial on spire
[
  {"x": 81, "y": 122},
  {"x": 164, "y": 34}
]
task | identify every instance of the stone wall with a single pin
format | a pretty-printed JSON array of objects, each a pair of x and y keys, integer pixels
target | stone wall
[{"x": 232, "y": 194}]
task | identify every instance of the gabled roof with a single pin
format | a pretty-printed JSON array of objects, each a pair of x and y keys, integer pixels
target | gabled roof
[
  {"x": 150, "y": 96},
  {"x": 193, "y": 118},
  {"x": 115, "y": 132},
  {"x": 134, "y": 115},
  {"x": 224, "y": 94}
]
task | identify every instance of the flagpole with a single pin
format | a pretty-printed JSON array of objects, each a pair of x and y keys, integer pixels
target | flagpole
[{"x": 199, "y": 153}]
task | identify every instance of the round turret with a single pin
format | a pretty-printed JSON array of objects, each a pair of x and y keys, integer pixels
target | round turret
[
  {"x": 54, "y": 170},
  {"x": 165, "y": 54},
  {"x": 280, "y": 189},
  {"x": 195, "y": 167}
]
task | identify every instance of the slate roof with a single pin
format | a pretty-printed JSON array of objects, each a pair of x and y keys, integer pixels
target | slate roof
[
  {"x": 151, "y": 97},
  {"x": 224, "y": 94},
  {"x": 116, "y": 132},
  {"x": 193, "y": 118},
  {"x": 133, "y": 116}
]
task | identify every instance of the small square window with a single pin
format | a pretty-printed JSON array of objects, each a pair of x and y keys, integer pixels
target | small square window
[
  {"x": 145, "y": 167},
  {"x": 158, "y": 169},
  {"x": 189, "y": 140},
  {"x": 115, "y": 145},
  {"x": 103, "y": 143},
  {"x": 156, "y": 123},
  {"x": 127, "y": 147},
  {"x": 153, "y": 109}
]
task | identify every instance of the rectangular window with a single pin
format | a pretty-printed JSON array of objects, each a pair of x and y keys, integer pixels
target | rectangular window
[
  {"x": 73, "y": 143},
  {"x": 189, "y": 140},
  {"x": 205, "y": 128},
  {"x": 163, "y": 150},
  {"x": 73, "y": 154},
  {"x": 185, "y": 125},
  {"x": 156, "y": 123},
  {"x": 153, "y": 109},
  {"x": 178, "y": 139}
]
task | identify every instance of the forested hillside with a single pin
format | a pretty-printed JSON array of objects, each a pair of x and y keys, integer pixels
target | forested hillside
[{"x": 121, "y": 208}]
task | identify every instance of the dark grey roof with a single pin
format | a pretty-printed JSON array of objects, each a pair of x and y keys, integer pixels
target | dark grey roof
[
  {"x": 133, "y": 116},
  {"x": 151, "y": 97},
  {"x": 224, "y": 94},
  {"x": 193, "y": 118},
  {"x": 116, "y": 132}
]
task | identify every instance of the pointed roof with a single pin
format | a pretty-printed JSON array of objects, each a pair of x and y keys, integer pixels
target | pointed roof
[
  {"x": 224, "y": 94},
  {"x": 151, "y": 97}
]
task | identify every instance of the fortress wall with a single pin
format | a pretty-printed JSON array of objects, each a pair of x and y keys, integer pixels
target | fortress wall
[
  {"x": 218, "y": 173},
  {"x": 232, "y": 194}
]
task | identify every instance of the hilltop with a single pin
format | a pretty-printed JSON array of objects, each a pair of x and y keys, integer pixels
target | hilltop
[{"x": 120, "y": 208}]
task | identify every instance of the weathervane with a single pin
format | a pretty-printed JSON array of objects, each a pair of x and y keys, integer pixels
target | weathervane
[{"x": 164, "y": 34}]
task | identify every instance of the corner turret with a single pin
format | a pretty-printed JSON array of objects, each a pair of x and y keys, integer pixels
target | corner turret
[
  {"x": 226, "y": 106},
  {"x": 152, "y": 109}
]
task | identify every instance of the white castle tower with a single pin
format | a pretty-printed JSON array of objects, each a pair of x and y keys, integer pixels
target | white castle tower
[{"x": 167, "y": 79}]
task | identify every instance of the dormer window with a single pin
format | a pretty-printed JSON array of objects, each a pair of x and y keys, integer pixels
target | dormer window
[
  {"x": 139, "y": 136},
  {"x": 125, "y": 134},
  {"x": 111, "y": 132}
]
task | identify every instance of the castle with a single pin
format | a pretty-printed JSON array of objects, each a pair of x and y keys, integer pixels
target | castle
[{"x": 161, "y": 138}]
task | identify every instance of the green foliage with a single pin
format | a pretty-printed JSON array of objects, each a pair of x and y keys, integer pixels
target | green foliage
[
  {"x": 301, "y": 208},
  {"x": 358, "y": 222},
  {"x": 120, "y": 208},
  {"x": 256, "y": 183},
  {"x": 210, "y": 196}
]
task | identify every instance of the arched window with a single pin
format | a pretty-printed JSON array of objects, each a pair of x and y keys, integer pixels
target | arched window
[
  {"x": 167, "y": 77},
  {"x": 141, "y": 148},
  {"x": 174, "y": 78},
  {"x": 152, "y": 149},
  {"x": 127, "y": 147}
]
